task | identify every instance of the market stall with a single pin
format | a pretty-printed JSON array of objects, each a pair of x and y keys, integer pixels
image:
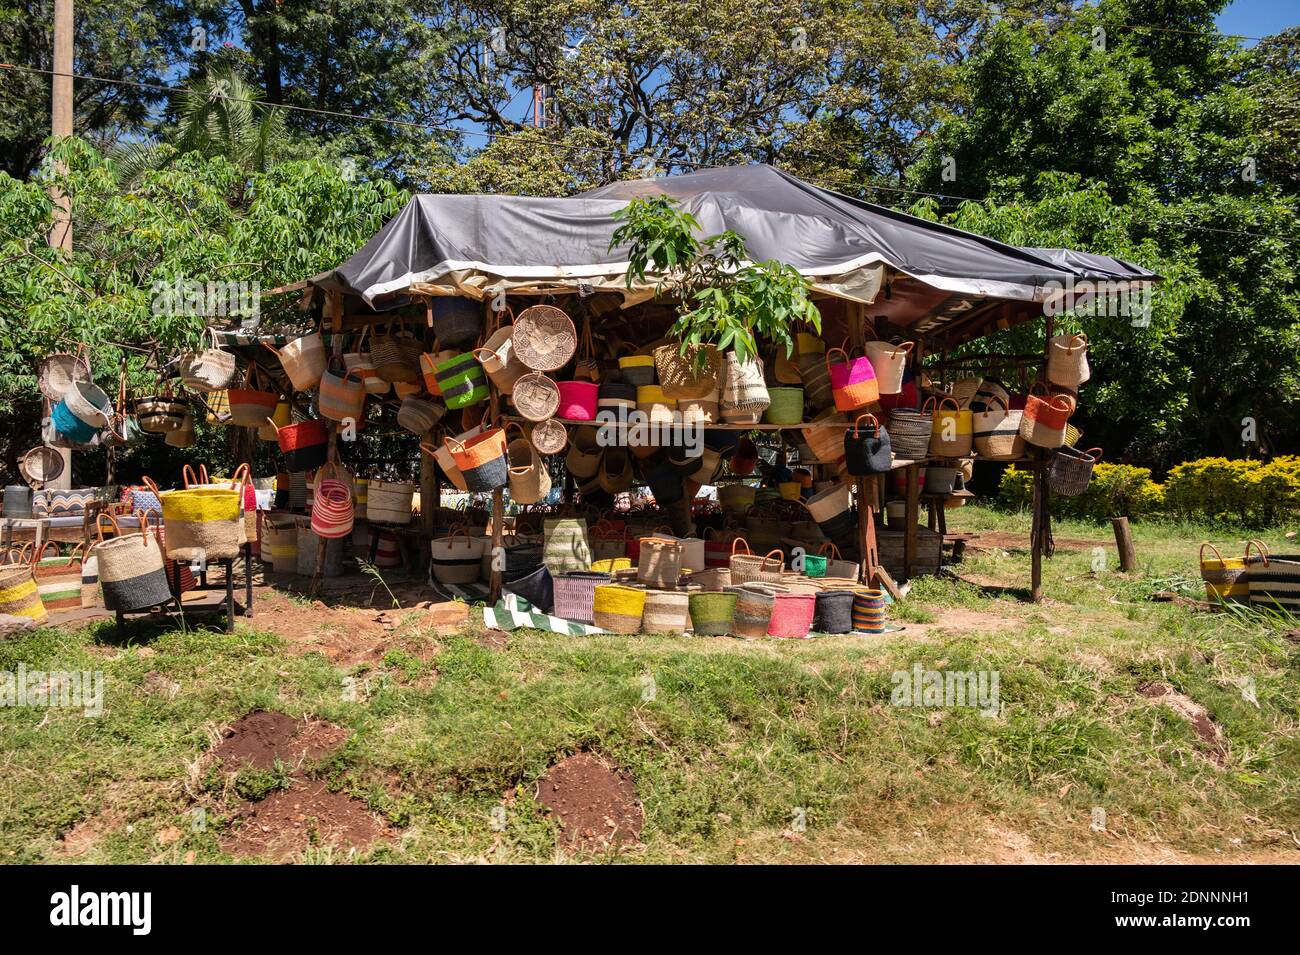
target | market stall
[{"x": 482, "y": 395}]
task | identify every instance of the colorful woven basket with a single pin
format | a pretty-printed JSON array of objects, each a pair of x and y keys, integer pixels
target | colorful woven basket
[{"x": 618, "y": 608}]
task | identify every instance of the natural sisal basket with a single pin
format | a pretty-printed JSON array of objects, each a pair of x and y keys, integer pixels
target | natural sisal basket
[
  {"x": 753, "y": 611},
  {"x": 666, "y": 611},
  {"x": 750, "y": 568},
  {"x": 889, "y": 362},
  {"x": 617, "y": 608},
  {"x": 499, "y": 360},
  {"x": 834, "y": 611},
  {"x": 1224, "y": 577},
  {"x": 389, "y": 502},
  {"x": 303, "y": 360},
  {"x": 544, "y": 338}
]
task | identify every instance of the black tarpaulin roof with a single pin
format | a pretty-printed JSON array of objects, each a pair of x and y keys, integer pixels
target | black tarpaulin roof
[{"x": 478, "y": 244}]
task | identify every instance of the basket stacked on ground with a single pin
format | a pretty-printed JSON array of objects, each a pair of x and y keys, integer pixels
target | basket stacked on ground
[
  {"x": 712, "y": 613},
  {"x": 618, "y": 608},
  {"x": 574, "y": 593},
  {"x": 1224, "y": 577},
  {"x": 1274, "y": 580},
  {"x": 753, "y": 611}
]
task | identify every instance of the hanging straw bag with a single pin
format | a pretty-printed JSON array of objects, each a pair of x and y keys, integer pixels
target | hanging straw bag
[
  {"x": 456, "y": 558},
  {"x": 679, "y": 375},
  {"x": 499, "y": 360},
  {"x": 583, "y": 458},
  {"x": 88, "y": 403},
  {"x": 853, "y": 381},
  {"x": 462, "y": 381},
  {"x": 418, "y": 415},
  {"x": 161, "y": 413},
  {"x": 457, "y": 321},
  {"x": 1071, "y": 470},
  {"x": 332, "y": 512},
  {"x": 666, "y": 611},
  {"x": 744, "y": 392},
  {"x": 867, "y": 450},
  {"x": 586, "y": 368},
  {"x": 712, "y": 613},
  {"x": 951, "y": 430},
  {"x": 481, "y": 460},
  {"x": 59, "y": 372},
  {"x": 753, "y": 611},
  {"x": 659, "y": 563},
  {"x": 389, "y": 502},
  {"x": 1224, "y": 577},
  {"x": 278, "y": 418},
  {"x": 574, "y": 593},
  {"x": 1067, "y": 360},
  {"x": 393, "y": 362},
  {"x": 305, "y": 445},
  {"x": 132, "y": 569},
  {"x": 530, "y": 481},
  {"x": 342, "y": 395},
  {"x": 250, "y": 406},
  {"x": 826, "y": 442},
  {"x": 303, "y": 360},
  {"x": 997, "y": 432},
  {"x": 617, "y": 608},
  {"x": 536, "y": 397},
  {"x": 748, "y": 568},
  {"x": 888, "y": 362},
  {"x": 1045, "y": 418},
  {"x": 208, "y": 370},
  {"x": 544, "y": 338},
  {"x": 363, "y": 363},
  {"x": 1274, "y": 580}
]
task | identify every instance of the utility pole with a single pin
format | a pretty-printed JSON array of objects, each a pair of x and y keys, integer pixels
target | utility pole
[{"x": 61, "y": 127}]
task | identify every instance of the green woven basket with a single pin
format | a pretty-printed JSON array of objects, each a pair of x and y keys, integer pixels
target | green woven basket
[
  {"x": 814, "y": 565},
  {"x": 711, "y": 613},
  {"x": 786, "y": 406}
]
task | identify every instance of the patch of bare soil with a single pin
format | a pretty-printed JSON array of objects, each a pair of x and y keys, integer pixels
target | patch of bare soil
[
  {"x": 1005, "y": 540},
  {"x": 157, "y": 684},
  {"x": 289, "y": 821},
  {"x": 86, "y": 834},
  {"x": 964, "y": 620},
  {"x": 595, "y": 805},
  {"x": 261, "y": 737},
  {"x": 494, "y": 640},
  {"x": 1206, "y": 730}
]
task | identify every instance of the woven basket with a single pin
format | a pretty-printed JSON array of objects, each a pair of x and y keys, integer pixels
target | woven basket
[
  {"x": 1067, "y": 360},
  {"x": 574, "y": 593},
  {"x": 536, "y": 397},
  {"x": 753, "y": 611},
  {"x": 750, "y": 568},
  {"x": 393, "y": 362},
  {"x": 544, "y": 338},
  {"x": 529, "y": 479},
  {"x": 744, "y": 392},
  {"x": 869, "y": 611},
  {"x": 208, "y": 370},
  {"x": 711, "y": 579},
  {"x": 456, "y": 558},
  {"x": 342, "y": 394},
  {"x": 909, "y": 434},
  {"x": 951, "y": 431},
  {"x": 792, "y": 615},
  {"x": 1224, "y": 578},
  {"x": 712, "y": 613},
  {"x": 826, "y": 443},
  {"x": 389, "y": 502},
  {"x": 1274, "y": 579},
  {"x": 637, "y": 370},
  {"x": 280, "y": 544},
  {"x": 889, "y": 363},
  {"x": 303, "y": 360},
  {"x": 19, "y": 595},
  {"x": 549, "y": 437},
  {"x": 457, "y": 321},
  {"x": 500, "y": 361},
  {"x": 583, "y": 459},
  {"x": 132, "y": 574},
  {"x": 659, "y": 563},
  {"x": 617, "y": 608},
  {"x": 59, "y": 372},
  {"x": 1045, "y": 419},
  {"x": 1071, "y": 470},
  {"x": 678, "y": 376},
  {"x": 785, "y": 406},
  {"x": 834, "y": 611},
  {"x": 460, "y": 380},
  {"x": 666, "y": 611},
  {"x": 418, "y": 415},
  {"x": 997, "y": 432}
]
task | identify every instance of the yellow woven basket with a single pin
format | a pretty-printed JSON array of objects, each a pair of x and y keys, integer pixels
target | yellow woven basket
[{"x": 618, "y": 609}]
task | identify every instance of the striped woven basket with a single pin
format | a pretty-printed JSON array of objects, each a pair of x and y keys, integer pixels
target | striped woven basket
[
  {"x": 617, "y": 608},
  {"x": 753, "y": 610},
  {"x": 666, "y": 611},
  {"x": 574, "y": 593}
]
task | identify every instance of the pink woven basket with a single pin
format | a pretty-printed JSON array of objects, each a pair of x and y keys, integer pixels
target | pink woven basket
[
  {"x": 578, "y": 400},
  {"x": 792, "y": 616},
  {"x": 574, "y": 593}
]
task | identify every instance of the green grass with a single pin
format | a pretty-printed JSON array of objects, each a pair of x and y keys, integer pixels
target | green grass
[{"x": 738, "y": 738}]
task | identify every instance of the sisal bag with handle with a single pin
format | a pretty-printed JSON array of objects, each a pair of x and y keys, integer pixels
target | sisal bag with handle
[
  {"x": 1224, "y": 578},
  {"x": 419, "y": 415},
  {"x": 497, "y": 355},
  {"x": 457, "y": 321},
  {"x": 867, "y": 450},
  {"x": 1067, "y": 360},
  {"x": 132, "y": 569},
  {"x": 332, "y": 512},
  {"x": 744, "y": 392},
  {"x": 666, "y": 611},
  {"x": 853, "y": 381},
  {"x": 1045, "y": 418},
  {"x": 1071, "y": 470},
  {"x": 210, "y": 369},
  {"x": 997, "y": 431},
  {"x": 393, "y": 362},
  {"x": 481, "y": 459},
  {"x": 203, "y": 522},
  {"x": 58, "y": 576},
  {"x": 952, "y": 432},
  {"x": 456, "y": 558},
  {"x": 389, "y": 502},
  {"x": 363, "y": 363},
  {"x": 889, "y": 363},
  {"x": 750, "y": 568},
  {"x": 659, "y": 563},
  {"x": 618, "y": 608},
  {"x": 1273, "y": 579},
  {"x": 303, "y": 360},
  {"x": 342, "y": 394},
  {"x": 837, "y": 566},
  {"x": 566, "y": 548},
  {"x": 530, "y": 481},
  {"x": 252, "y": 404}
]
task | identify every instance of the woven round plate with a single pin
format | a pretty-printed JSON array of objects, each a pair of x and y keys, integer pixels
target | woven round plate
[
  {"x": 544, "y": 338},
  {"x": 550, "y": 437},
  {"x": 41, "y": 465},
  {"x": 536, "y": 397}
]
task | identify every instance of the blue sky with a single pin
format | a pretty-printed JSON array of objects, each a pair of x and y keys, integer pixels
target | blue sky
[{"x": 1259, "y": 17}]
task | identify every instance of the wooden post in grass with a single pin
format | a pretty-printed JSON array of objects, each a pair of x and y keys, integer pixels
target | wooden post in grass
[
  {"x": 1036, "y": 540},
  {"x": 498, "y": 499},
  {"x": 1124, "y": 544}
]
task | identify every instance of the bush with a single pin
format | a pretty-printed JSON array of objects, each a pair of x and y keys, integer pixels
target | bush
[
  {"x": 1239, "y": 490},
  {"x": 1117, "y": 490}
]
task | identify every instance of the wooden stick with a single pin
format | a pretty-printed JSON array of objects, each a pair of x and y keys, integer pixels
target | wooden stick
[
  {"x": 1124, "y": 544},
  {"x": 1036, "y": 541}
]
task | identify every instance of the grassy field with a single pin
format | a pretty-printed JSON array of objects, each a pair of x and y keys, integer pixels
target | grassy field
[{"x": 756, "y": 752}]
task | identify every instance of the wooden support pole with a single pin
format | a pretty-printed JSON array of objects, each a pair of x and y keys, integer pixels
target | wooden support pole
[
  {"x": 1124, "y": 544},
  {"x": 1036, "y": 541},
  {"x": 911, "y": 520}
]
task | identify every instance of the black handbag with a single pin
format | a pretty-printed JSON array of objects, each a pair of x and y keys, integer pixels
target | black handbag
[
  {"x": 537, "y": 588},
  {"x": 866, "y": 450}
]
